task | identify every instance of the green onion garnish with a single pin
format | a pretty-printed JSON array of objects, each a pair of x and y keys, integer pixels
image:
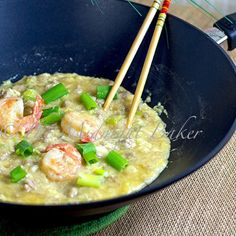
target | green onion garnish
[
  {"x": 113, "y": 120},
  {"x": 87, "y": 101},
  {"x": 99, "y": 172},
  {"x": 54, "y": 93},
  {"x": 17, "y": 174},
  {"x": 117, "y": 161},
  {"x": 87, "y": 180},
  {"x": 50, "y": 110},
  {"x": 139, "y": 113},
  {"x": 24, "y": 149},
  {"x": 103, "y": 91},
  {"x": 88, "y": 151},
  {"x": 52, "y": 118},
  {"x": 90, "y": 158},
  {"x": 85, "y": 148},
  {"x": 30, "y": 95}
]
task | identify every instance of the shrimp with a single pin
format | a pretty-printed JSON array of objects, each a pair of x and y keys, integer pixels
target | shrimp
[
  {"x": 12, "y": 119},
  {"x": 61, "y": 162},
  {"x": 81, "y": 125}
]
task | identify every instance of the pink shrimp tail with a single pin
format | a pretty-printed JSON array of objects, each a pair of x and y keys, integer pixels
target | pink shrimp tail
[
  {"x": 37, "y": 109},
  {"x": 61, "y": 146},
  {"x": 86, "y": 139},
  {"x": 31, "y": 121},
  {"x": 67, "y": 148}
]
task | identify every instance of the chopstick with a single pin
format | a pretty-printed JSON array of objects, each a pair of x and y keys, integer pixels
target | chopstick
[
  {"x": 132, "y": 52},
  {"x": 148, "y": 61}
]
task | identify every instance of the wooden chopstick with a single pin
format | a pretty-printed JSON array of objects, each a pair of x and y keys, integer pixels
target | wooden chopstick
[
  {"x": 132, "y": 52},
  {"x": 148, "y": 62}
]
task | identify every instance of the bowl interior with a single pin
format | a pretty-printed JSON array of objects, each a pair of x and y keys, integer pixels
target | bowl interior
[{"x": 190, "y": 75}]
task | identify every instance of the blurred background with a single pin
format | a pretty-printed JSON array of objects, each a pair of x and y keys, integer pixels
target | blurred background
[
  {"x": 189, "y": 12},
  {"x": 185, "y": 9},
  {"x": 226, "y": 6}
]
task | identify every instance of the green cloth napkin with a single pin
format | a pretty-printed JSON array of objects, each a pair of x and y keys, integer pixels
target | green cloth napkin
[{"x": 83, "y": 229}]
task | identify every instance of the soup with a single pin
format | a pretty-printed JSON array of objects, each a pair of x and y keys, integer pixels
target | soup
[{"x": 58, "y": 146}]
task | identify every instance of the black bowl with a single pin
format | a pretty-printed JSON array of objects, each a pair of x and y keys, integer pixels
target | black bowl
[{"x": 191, "y": 76}]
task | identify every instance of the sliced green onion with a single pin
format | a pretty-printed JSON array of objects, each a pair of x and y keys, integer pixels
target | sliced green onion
[
  {"x": 24, "y": 149},
  {"x": 17, "y": 174},
  {"x": 88, "y": 151},
  {"x": 50, "y": 110},
  {"x": 36, "y": 152},
  {"x": 90, "y": 158},
  {"x": 103, "y": 91},
  {"x": 113, "y": 120},
  {"x": 85, "y": 148},
  {"x": 52, "y": 118},
  {"x": 52, "y": 115},
  {"x": 99, "y": 172},
  {"x": 117, "y": 161},
  {"x": 87, "y": 101},
  {"x": 139, "y": 113},
  {"x": 87, "y": 180},
  {"x": 30, "y": 95},
  {"x": 54, "y": 93}
]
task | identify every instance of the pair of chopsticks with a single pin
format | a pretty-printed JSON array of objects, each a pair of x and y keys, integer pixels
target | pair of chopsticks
[{"x": 148, "y": 60}]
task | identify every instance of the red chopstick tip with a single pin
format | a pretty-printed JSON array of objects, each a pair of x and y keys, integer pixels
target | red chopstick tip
[{"x": 165, "y": 6}]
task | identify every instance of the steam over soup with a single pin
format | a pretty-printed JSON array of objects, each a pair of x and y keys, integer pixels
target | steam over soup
[{"x": 57, "y": 145}]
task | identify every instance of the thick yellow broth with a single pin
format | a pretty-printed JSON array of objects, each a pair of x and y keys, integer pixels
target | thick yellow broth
[{"x": 145, "y": 146}]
